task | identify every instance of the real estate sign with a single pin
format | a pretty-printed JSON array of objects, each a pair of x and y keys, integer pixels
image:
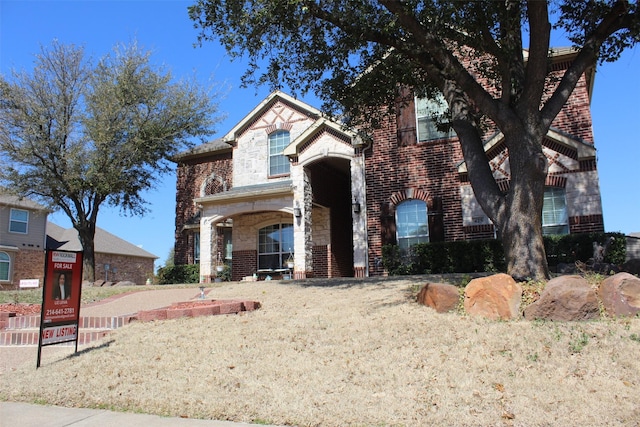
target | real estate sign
[{"x": 60, "y": 298}]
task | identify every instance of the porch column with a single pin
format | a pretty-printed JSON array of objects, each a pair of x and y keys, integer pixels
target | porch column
[
  {"x": 302, "y": 225},
  {"x": 207, "y": 240},
  {"x": 359, "y": 224}
]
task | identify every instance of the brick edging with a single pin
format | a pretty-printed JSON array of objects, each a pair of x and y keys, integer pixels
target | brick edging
[{"x": 24, "y": 330}]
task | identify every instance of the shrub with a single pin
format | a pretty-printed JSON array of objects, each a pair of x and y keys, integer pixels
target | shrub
[
  {"x": 183, "y": 273},
  {"x": 570, "y": 248},
  {"x": 488, "y": 255},
  {"x": 445, "y": 257}
]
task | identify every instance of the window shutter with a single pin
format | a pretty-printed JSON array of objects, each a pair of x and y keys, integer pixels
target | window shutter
[
  {"x": 406, "y": 123},
  {"x": 387, "y": 225},
  {"x": 436, "y": 220}
]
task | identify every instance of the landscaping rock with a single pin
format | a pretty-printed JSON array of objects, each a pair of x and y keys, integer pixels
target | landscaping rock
[
  {"x": 564, "y": 268},
  {"x": 494, "y": 297},
  {"x": 440, "y": 296},
  {"x": 125, "y": 283},
  {"x": 565, "y": 298},
  {"x": 620, "y": 295},
  {"x": 631, "y": 266}
]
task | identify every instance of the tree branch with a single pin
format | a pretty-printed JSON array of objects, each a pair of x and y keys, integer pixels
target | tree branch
[{"x": 615, "y": 20}]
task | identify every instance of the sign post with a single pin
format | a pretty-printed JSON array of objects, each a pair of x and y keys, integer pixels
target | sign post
[{"x": 60, "y": 315}]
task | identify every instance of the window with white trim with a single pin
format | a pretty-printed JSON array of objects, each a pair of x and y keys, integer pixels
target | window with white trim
[
  {"x": 275, "y": 244},
  {"x": 429, "y": 113},
  {"x": 19, "y": 221},
  {"x": 411, "y": 223},
  {"x": 278, "y": 162},
  {"x": 5, "y": 266},
  {"x": 554, "y": 212},
  {"x": 196, "y": 247}
]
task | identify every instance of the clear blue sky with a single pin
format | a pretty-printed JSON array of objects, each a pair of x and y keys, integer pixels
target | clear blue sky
[{"x": 163, "y": 26}]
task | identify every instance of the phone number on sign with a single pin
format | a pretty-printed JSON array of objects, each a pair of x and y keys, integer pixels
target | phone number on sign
[{"x": 59, "y": 311}]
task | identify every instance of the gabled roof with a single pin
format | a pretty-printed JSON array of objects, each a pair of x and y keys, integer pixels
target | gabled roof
[
  {"x": 274, "y": 97},
  {"x": 562, "y": 57},
  {"x": 104, "y": 242},
  {"x": 249, "y": 192},
  {"x": 16, "y": 202},
  {"x": 212, "y": 147},
  {"x": 322, "y": 125},
  {"x": 583, "y": 149}
]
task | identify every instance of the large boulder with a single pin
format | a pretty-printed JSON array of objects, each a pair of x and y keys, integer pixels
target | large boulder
[
  {"x": 440, "y": 296},
  {"x": 565, "y": 298},
  {"x": 620, "y": 295},
  {"x": 631, "y": 266},
  {"x": 494, "y": 297}
]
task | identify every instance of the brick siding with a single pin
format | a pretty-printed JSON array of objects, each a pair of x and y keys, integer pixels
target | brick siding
[
  {"x": 586, "y": 224},
  {"x": 191, "y": 175},
  {"x": 129, "y": 268},
  {"x": 321, "y": 261},
  {"x": 29, "y": 264},
  {"x": 245, "y": 263}
]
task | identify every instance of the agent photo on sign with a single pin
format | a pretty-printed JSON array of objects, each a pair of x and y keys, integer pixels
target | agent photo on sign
[{"x": 62, "y": 287}]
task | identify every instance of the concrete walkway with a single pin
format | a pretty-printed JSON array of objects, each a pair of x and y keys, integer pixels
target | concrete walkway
[
  {"x": 130, "y": 303},
  {"x": 29, "y": 415}
]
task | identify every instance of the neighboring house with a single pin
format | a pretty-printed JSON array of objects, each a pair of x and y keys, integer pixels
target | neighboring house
[
  {"x": 22, "y": 240},
  {"x": 286, "y": 182},
  {"x": 633, "y": 246},
  {"x": 116, "y": 260}
]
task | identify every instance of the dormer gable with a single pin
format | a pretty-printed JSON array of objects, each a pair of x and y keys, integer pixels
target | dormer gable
[{"x": 277, "y": 111}]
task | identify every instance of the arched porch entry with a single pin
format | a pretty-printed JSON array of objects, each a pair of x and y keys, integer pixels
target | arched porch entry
[
  {"x": 332, "y": 217},
  {"x": 329, "y": 202}
]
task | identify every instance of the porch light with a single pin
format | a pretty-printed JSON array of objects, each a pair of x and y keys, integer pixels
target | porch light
[
  {"x": 356, "y": 207},
  {"x": 297, "y": 212}
]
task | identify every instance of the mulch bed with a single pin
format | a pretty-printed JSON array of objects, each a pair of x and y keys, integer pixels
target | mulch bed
[{"x": 20, "y": 309}]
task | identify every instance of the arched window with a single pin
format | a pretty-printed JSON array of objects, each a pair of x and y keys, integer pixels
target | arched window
[
  {"x": 5, "y": 266},
  {"x": 275, "y": 244},
  {"x": 213, "y": 184},
  {"x": 554, "y": 212},
  {"x": 278, "y": 162},
  {"x": 411, "y": 223}
]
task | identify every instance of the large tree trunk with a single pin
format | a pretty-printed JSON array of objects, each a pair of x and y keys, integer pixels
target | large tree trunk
[{"x": 520, "y": 222}]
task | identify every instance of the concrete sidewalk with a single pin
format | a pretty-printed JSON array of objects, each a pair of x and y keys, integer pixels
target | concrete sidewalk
[{"x": 29, "y": 415}]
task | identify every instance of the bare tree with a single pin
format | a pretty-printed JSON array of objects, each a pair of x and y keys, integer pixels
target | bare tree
[{"x": 75, "y": 135}]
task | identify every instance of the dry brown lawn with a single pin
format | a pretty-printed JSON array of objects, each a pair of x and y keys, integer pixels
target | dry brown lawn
[{"x": 353, "y": 353}]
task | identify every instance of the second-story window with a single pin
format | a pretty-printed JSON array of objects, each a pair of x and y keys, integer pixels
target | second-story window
[
  {"x": 278, "y": 163},
  {"x": 430, "y": 113},
  {"x": 19, "y": 221}
]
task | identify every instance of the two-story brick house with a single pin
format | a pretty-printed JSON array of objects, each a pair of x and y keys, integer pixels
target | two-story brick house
[
  {"x": 23, "y": 226},
  {"x": 286, "y": 183}
]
